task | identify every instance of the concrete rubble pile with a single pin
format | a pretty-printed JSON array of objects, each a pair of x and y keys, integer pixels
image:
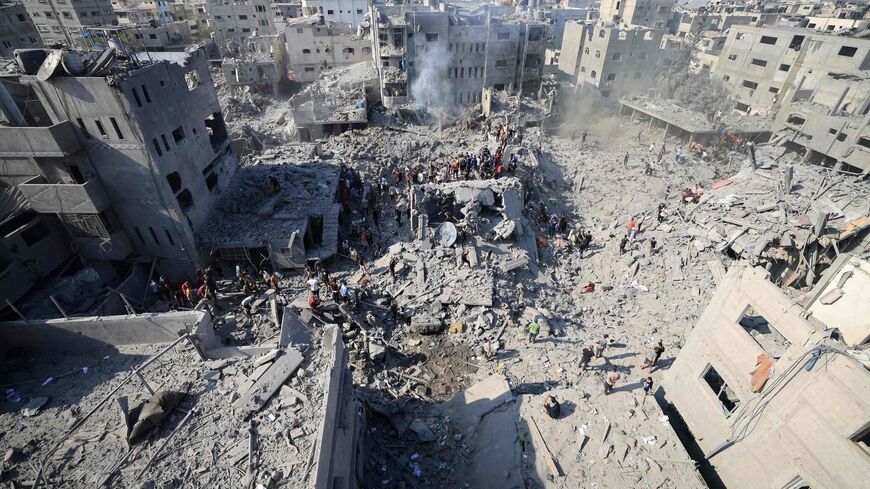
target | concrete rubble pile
[{"x": 244, "y": 420}]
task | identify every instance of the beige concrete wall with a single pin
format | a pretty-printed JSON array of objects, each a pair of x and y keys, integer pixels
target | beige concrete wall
[{"x": 805, "y": 429}]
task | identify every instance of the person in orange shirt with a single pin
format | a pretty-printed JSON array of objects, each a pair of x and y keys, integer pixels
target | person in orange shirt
[{"x": 632, "y": 229}]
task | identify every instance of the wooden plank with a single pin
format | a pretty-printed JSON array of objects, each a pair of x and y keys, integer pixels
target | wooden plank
[
  {"x": 551, "y": 461},
  {"x": 269, "y": 383}
]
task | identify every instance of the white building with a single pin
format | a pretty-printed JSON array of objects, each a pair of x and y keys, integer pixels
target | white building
[{"x": 351, "y": 11}]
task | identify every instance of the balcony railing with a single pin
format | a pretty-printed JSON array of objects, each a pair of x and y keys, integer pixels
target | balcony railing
[
  {"x": 51, "y": 141},
  {"x": 65, "y": 198}
]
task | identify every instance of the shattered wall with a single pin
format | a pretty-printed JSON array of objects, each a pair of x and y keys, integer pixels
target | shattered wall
[{"x": 801, "y": 421}]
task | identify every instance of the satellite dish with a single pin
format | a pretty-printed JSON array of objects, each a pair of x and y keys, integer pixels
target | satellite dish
[
  {"x": 50, "y": 65},
  {"x": 445, "y": 235},
  {"x": 73, "y": 63}
]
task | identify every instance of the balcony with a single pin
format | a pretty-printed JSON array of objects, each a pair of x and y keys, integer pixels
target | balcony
[
  {"x": 65, "y": 198},
  {"x": 51, "y": 141}
]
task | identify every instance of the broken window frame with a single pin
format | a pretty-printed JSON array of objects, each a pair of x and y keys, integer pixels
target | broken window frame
[
  {"x": 862, "y": 438},
  {"x": 772, "y": 337},
  {"x": 723, "y": 390}
]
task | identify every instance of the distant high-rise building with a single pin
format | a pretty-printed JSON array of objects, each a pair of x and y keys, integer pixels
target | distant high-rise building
[
  {"x": 64, "y": 22},
  {"x": 16, "y": 29}
]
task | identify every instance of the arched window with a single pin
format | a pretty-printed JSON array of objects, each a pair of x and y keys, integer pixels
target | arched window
[
  {"x": 597, "y": 54},
  {"x": 592, "y": 75}
]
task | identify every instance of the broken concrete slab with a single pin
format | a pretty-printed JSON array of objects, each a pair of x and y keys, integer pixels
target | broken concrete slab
[
  {"x": 293, "y": 330},
  {"x": 269, "y": 383}
]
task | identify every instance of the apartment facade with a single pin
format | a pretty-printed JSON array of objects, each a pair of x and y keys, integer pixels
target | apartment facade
[
  {"x": 758, "y": 63},
  {"x": 352, "y": 12},
  {"x": 63, "y": 21},
  {"x": 133, "y": 168},
  {"x": 313, "y": 46},
  {"x": 233, "y": 21},
  {"x": 653, "y": 14},
  {"x": 610, "y": 61},
  {"x": 558, "y": 17},
  {"x": 773, "y": 397},
  {"x": 17, "y": 31},
  {"x": 446, "y": 57}
]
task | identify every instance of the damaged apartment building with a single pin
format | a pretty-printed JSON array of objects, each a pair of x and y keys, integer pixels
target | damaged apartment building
[
  {"x": 773, "y": 389},
  {"x": 815, "y": 84},
  {"x": 125, "y": 155},
  {"x": 16, "y": 29},
  {"x": 618, "y": 54},
  {"x": 63, "y": 22},
  {"x": 234, "y": 21},
  {"x": 314, "y": 44},
  {"x": 444, "y": 56}
]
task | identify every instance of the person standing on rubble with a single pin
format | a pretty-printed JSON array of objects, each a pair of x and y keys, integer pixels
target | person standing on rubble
[
  {"x": 652, "y": 358},
  {"x": 632, "y": 229},
  {"x": 622, "y": 243},
  {"x": 394, "y": 309},
  {"x": 625, "y": 160},
  {"x": 391, "y": 267},
  {"x": 660, "y": 213},
  {"x": 585, "y": 357},
  {"x": 534, "y": 329},
  {"x": 612, "y": 378},
  {"x": 583, "y": 137},
  {"x": 600, "y": 346}
]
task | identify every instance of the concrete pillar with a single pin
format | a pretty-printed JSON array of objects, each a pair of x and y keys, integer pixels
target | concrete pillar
[
  {"x": 836, "y": 106},
  {"x": 798, "y": 87}
]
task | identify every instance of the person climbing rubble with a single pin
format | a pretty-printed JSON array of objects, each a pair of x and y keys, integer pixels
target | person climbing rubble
[{"x": 622, "y": 243}]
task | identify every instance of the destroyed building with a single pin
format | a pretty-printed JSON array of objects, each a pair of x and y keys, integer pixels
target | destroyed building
[
  {"x": 443, "y": 57},
  {"x": 608, "y": 60},
  {"x": 283, "y": 213},
  {"x": 759, "y": 65},
  {"x": 773, "y": 389},
  {"x": 653, "y": 14},
  {"x": 17, "y": 30},
  {"x": 253, "y": 63},
  {"x": 338, "y": 101},
  {"x": 129, "y": 154},
  {"x": 59, "y": 22},
  {"x": 234, "y": 21},
  {"x": 314, "y": 45}
]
